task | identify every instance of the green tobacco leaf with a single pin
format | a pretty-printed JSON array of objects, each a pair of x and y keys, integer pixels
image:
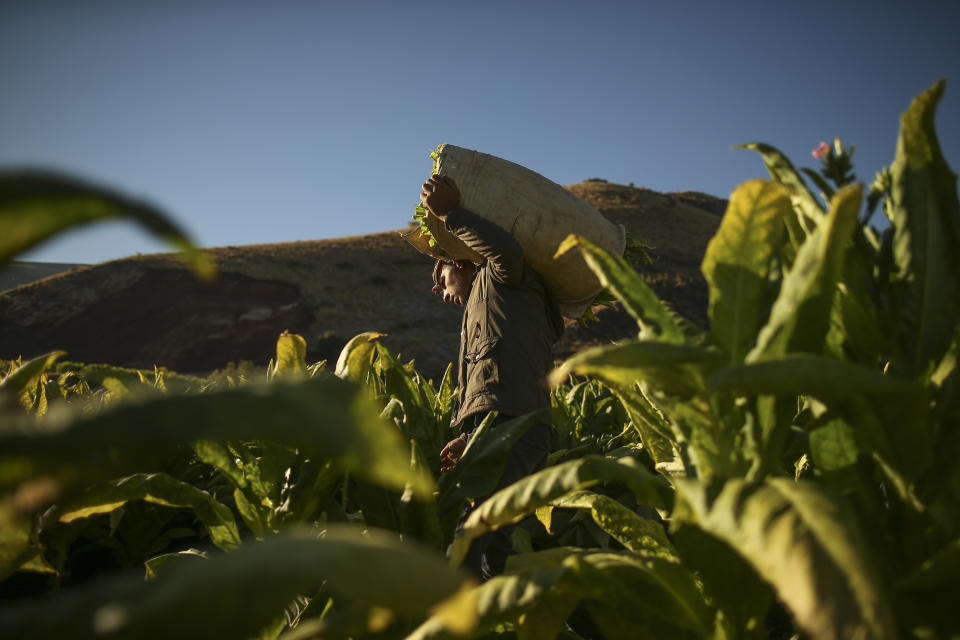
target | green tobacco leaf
[
  {"x": 235, "y": 595},
  {"x": 162, "y": 562},
  {"x": 630, "y": 595},
  {"x": 857, "y": 327},
  {"x": 926, "y": 599},
  {"x": 629, "y": 529},
  {"x": 27, "y": 373},
  {"x": 804, "y": 544},
  {"x": 356, "y": 356},
  {"x": 524, "y": 497},
  {"x": 627, "y": 362},
  {"x": 538, "y": 590},
  {"x": 420, "y": 421},
  {"x": 925, "y": 216},
  {"x": 616, "y": 274},
  {"x": 395, "y": 511},
  {"x": 36, "y": 205},
  {"x": 253, "y": 516},
  {"x": 800, "y": 316},
  {"x": 823, "y": 377},
  {"x": 672, "y": 604},
  {"x": 833, "y": 446},
  {"x": 445, "y": 394},
  {"x": 479, "y": 468},
  {"x": 291, "y": 355},
  {"x": 219, "y": 457},
  {"x": 322, "y": 418},
  {"x": 655, "y": 432},
  {"x": 782, "y": 170},
  {"x": 158, "y": 488},
  {"x": 888, "y": 415},
  {"x": 825, "y": 188},
  {"x": 742, "y": 612},
  {"x": 14, "y": 541},
  {"x": 639, "y": 596},
  {"x": 737, "y": 263}
]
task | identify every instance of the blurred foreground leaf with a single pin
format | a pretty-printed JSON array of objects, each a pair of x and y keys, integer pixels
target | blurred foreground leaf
[
  {"x": 235, "y": 595},
  {"x": 324, "y": 418},
  {"x": 36, "y": 205}
]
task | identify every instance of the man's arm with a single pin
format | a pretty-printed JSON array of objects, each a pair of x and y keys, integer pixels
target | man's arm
[{"x": 490, "y": 240}]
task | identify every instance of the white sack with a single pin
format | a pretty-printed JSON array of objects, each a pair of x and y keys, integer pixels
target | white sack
[{"x": 539, "y": 214}]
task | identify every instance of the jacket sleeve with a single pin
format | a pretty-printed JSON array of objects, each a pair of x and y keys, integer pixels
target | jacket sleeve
[{"x": 491, "y": 241}]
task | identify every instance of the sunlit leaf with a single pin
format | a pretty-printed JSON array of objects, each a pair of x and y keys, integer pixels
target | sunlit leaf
[
  {"x": 616, "y": 274},
  {"x": 27, "y": 373},
  {"x": 158, "y": 488},
  {"x": 629, "y": 529},
  {"x": 630, "y": 361},
  {"x": 356, "y": 356},
  {"x": 291, "y": 355},
  {"x": 522, "y": 498},
  {"x": 800, "y": 316},
  {"x": 738, "y": 261}
]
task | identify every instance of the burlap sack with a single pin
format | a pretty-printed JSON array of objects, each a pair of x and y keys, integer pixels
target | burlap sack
[{"x": 539, "y": 214}]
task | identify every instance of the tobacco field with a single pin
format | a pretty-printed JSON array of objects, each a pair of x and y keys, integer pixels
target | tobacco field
[{"x": 791, "y": 472}]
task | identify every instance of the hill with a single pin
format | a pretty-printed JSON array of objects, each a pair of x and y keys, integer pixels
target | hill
[
  {"x": 147, "y": 310},
  {"x": 17, "y": 272}
]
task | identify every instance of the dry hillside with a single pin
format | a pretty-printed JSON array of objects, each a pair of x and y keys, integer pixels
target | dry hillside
[{"x": 148, "y": 310}]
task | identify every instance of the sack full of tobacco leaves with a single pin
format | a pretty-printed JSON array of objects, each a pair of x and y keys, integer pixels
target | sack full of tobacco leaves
[{"x": 539, "y": 214}]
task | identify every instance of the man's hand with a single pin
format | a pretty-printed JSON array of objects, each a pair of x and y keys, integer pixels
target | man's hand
[
  {"x": 451, "y": 453},
  {"x": 439, "y": 194}
]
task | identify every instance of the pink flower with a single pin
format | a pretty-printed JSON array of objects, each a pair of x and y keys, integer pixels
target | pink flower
[{"x": 822, "y": 149}]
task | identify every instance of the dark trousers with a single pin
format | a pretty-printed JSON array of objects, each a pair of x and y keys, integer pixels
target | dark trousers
[{"x": 488, "y": 553}]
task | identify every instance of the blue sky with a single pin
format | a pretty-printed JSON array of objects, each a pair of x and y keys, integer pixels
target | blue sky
[{"x": 255, "y": 122}]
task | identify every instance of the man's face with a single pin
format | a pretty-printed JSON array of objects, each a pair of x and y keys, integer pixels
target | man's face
[{"x": 454, "y": 283}]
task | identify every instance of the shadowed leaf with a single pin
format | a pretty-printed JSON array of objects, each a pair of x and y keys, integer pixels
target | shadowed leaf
[
  {"x": 322, "y": 418},
  {"x": 235, "y": 595},
  {"x": 803, "y": 543},
  {"x": 925, "y": 216}
]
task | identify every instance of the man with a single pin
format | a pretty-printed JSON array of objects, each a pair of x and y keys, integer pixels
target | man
[{"x": 509, "y": 325}]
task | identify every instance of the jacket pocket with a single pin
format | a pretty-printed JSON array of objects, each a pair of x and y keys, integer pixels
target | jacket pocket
[
  {"x": 483, "y": 367},
  {"x": 481, "y": 350}
]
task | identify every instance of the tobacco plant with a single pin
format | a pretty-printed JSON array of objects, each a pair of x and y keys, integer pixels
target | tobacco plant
[
  {"x": 805, "y": 443},
  {"x": 788, "y": 472}
]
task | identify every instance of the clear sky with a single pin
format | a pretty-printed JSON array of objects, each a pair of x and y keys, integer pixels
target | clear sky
[{"x": 255, "y": 122}]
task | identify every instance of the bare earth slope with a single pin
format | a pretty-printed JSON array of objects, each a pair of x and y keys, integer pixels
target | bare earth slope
[{"x": 148, "y": 310}]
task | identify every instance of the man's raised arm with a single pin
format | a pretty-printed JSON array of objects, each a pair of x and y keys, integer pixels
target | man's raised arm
[{"x": 442, "y": 198}]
